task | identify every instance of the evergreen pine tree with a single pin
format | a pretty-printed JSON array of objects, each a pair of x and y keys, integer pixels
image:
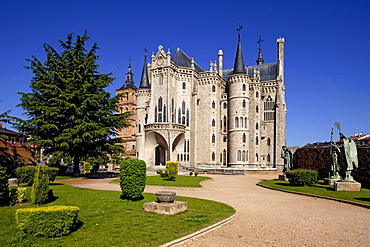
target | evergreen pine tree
[{"x": 68, "y": 110}]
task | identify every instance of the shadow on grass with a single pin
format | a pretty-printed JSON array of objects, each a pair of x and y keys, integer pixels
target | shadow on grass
[
  {"x": 78, "y": 225},
  {"x": 365, "y": 199}
]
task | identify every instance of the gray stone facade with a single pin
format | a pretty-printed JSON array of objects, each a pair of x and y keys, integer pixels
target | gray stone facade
[{"x": 233, "y": 117}]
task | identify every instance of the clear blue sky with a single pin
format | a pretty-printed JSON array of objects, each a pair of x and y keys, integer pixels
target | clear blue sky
[{"x": 327, "y": 48}]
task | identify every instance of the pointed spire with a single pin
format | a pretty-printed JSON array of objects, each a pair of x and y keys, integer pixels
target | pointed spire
[
  {"x": 239, "y": 61},
  {"x": 144, "y": 82},
  {"x": 260, "y": 60},
  {"x": 129, "y": 82}
]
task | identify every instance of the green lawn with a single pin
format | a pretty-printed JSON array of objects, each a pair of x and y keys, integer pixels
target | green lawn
[
  {"x": 106, "y": 220},
  {"x": 320, "y": 189},
  {"x": 181, "y": 181}
]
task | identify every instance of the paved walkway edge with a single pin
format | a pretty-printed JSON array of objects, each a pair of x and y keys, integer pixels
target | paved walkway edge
[
  {"x": 322, "y": 197},
  {"x": 182, "y": 240}
]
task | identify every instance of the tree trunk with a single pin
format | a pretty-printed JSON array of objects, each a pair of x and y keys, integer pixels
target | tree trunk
[{"x": 76, "y": 166}]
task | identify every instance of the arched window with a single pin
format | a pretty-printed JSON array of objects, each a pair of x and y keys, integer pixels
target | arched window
[
  {"x": 188, "y": 147},
  {"x": 241, "y": 122},
  {"x": 236, "y": 122},
  {"x": 184, "y": 146},
  {"x": 243, "y": 155},
  {"x": 213, "y": 156},
  {"x": 213, "y": 123},
  {"x": 245, "y": 122},
  {"x": 268, "y": 142},
  {"x": 244, "y": 137},
  {"x": 183, "y": 107},
  {"x": 213, "y": 104},
  {"x": 256, "y": 140},
  {"x": 159, "y": 117},
  {"x": 187, "y": 117},
  {"x": 256, "y": 126},
  {"x": 178, "y": 157},
  {"x": 269, "y": 109},
  {"x": 155, "y": 114},
  {"x": 268, "y": 158},
  {"x": 257, "y": 94},
  {"x": 164, "y": 113},
  {"x": 256, "y": 156},
  {"x": 225, "y": 138},
  {"x": 239, "y": 156},
  {"x": 179, "y": 117},
  {"x": 126, "y": 108},
  {"x": 213, "y": 138},
  {"x": 160, "y": 102},
  {"x": 172, "y": 105},
  {"x": 213, "y": 88},
  {"x": 183, "y": 85},
  {"x": 173, "y": 118},
  {"x": 139, "y": 128},
  {"x": 181, "y": 157},
  {"x": 244, "y": 103},
  {"x": 257, "y": 109},
  {"x": 183, "y": 120},
  {"x": 225, "y": 105},
  {"x": 244, "y": 87}
]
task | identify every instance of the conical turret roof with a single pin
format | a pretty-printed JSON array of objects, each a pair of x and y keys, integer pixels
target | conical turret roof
[
  {"x": 239, "y": 61},
  {"x": 144, "y": 82}
]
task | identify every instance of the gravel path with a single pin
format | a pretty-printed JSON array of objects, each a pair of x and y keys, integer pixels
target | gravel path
[{"x": 268, "y": 217}]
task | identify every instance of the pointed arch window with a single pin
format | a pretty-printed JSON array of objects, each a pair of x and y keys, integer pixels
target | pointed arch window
[
  {"x": 164, "y": 113},
  {"x": 213, "y": 104},
  {"x": 160, "y": 102},
  {"x": 179, "y": 117},
  {"x": 256, "y": 156},
  {"x": 257, "y": 94},
  {"x": 213, "y": 138},
  {"x": 241, "y": 122},
  {"x": 257, "y": 109},
  {"x": 184, "y": 146},
  {"x": 225, "y": 123},
  {"x": 268, "y": 142},
  {"x": 239, "y": 155},
  {"x": 183, "y": 85},
  {"x": 183, "y": 107},
  {"x": 268, "y": 158},
  {"x": 159, "y": 117},
  {"x": 244, "y": 137},
  {"x": 236, "y": 122},
  {"x": 188, "y": 149},
  {"x": 187, "y": 118},
  {"x": 213, "y": 88},
  {"x": 257, "y": 140},
  {"x": 244, "y": 103},
  {"x": 213, "y": 123},
  {"x": 245, "y": 122},
  {"x": 225, "y": 139},
  {"x": 256, "y": 126},
  {"x": 244, "y": 87},
  {"x": 213, "y": 156},
  {"x": 243, "y": 155},
  {"x": 155, "y": 114},
  {"x": 183, "y": 120},
  {"x": 269, "y": 109},
  {"x": 139, "y": 128}
]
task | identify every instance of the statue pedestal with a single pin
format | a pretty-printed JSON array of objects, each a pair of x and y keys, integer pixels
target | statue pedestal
[
  {"x": 330, "y": 181},
  {"x": 166, "y": 207},
  {"x": 282, "y": 177},
  {"x": 347, "y": 186}
]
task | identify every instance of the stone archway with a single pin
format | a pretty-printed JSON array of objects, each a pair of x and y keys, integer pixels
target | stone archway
[{"x": 160, "y": 156}]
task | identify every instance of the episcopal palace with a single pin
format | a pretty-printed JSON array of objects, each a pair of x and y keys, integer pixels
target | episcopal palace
[{"x": 234, "y": 117}]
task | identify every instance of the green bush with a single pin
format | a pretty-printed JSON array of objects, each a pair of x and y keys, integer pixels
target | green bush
[
  {"x": 54, "y": 221},
  {"x": 196, "y": 173},
  {"x": 172, "y": 169},
  {"x": 132, "y": 178},
  {"x": 41, "y": 193},
  {"x": 190, "y": 173},
  {"x": 26, "y": 174},
  {"x": 302, "y": 177},
  {"x": 17, "y": 195},
  {"x": 4, "y": 190}
]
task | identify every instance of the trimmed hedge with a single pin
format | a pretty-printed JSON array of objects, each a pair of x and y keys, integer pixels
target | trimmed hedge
[
  {"x": 41, "y": 193},
  {"x": 53, "y": 221},
  {"x": 172, "y": 169},
  {"x": 4, "y": 190},
  {"x": 26, "y": 174},
  {"x": 318, "y": 158},
  {"x": 133, "y": 178},
  {"x": 302, "y": 177}
]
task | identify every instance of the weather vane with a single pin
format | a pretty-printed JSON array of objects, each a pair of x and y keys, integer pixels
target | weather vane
[
  {"x": 259, "y": 43},
  {"x": 238, "y": 29}
]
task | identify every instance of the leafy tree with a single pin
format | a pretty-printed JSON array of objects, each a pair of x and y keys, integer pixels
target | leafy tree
[{"x": 68, "y": 110}]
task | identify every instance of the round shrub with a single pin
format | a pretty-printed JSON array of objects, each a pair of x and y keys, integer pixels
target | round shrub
[
  {"x": 133, "y": 178},
  {"x": 302, "y": 177}
]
